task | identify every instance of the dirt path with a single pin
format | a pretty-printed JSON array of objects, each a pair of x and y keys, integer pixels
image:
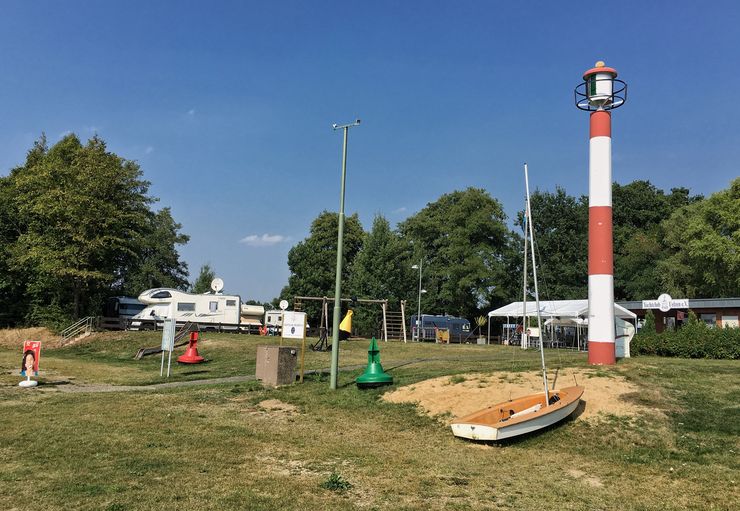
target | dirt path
[
  {"x": 68, "y": 387},
  {"x": 93, "y": 388}
]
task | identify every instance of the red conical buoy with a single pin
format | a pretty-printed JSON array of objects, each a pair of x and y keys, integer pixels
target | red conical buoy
[{"x": 191, "y": 354}]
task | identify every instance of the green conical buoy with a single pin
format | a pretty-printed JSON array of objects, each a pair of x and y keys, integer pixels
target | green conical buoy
[{"x": 374, "y": 376}]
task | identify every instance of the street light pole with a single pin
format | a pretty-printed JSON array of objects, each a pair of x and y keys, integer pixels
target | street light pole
[
  {"x": 340, "y": 243},
  {"x": 418, "y": 313}
]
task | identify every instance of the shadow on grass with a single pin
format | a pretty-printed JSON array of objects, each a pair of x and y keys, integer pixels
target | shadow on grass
[
  {"x": 202, "y": 371},
  {"x": 54, "y": 382},
  {"x": 315, "y": 375}
]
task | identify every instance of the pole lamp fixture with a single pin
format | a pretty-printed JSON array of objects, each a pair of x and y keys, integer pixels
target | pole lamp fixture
[
  {"x": 599, "y": 93},
  {"x": 340, "y": 247}
]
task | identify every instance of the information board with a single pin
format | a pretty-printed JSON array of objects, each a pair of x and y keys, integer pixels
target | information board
[
  {"x": 294, "y": 325},
  {"x": 168, "y": 335},
  {"x": 168, "y": 344}
]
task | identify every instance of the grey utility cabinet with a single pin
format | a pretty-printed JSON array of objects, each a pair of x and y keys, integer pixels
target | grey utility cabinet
[{"x": 276, "y": 365}]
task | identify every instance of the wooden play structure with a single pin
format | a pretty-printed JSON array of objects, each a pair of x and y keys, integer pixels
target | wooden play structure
[{"x": 393, "y": 321}]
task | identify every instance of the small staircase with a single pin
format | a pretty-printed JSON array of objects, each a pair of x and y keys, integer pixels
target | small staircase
[
  {"x": 79, "y": 330},
  {"x": 394, "y": 324}
]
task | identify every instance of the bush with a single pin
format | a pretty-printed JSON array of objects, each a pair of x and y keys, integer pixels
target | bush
[
  {"x": 336, "y": 483},
  {"x": 649, "y": 325},
  {"x": 694, "y": 340},
  {"x": 51, "y": 316}
]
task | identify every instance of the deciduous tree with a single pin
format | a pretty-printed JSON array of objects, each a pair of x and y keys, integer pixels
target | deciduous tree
[
  {"x": 639, "y": 209},
  {"x": 561, "y": 237},
  {"x": 703, "y": 240},
  {"x": 75, "y": 227},
  {"x": 462, "y": 238},
  {"x": 312, "y": 262},
  {"x": 381, "y": 270},
  {"x": 157, "y": 262},
  {"x": 80, "y": 213}
]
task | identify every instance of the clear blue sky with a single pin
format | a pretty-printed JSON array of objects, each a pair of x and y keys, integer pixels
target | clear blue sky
[{"x": 228, "y": 106}]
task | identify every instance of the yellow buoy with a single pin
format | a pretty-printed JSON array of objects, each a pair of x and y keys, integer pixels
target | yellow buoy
[{"x": 345, "y": 327}]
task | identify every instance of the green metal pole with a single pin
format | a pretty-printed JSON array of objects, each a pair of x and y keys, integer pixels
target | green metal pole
[{"x": 338, "y": 283}]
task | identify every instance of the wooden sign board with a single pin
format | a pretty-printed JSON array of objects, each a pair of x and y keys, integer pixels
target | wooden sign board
[{"x": 294, "y": 325}]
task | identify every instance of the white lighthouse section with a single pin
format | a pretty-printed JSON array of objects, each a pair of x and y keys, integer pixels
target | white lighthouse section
[
  {"x": 600, "y": 172},
  {"x": 601, "y": 310}
]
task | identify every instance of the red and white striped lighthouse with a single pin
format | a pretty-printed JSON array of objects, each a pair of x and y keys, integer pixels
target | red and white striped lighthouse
[{"x": 597, "y": 95}]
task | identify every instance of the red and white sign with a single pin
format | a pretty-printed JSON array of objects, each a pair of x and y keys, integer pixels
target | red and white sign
[{"x": 31, "y": 355}]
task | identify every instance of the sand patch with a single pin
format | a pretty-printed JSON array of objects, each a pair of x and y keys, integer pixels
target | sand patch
[
  {"x": 288, "y": 464},
  {"x": 590, "y": 480},
  {"x": 455, "y": 396},
  {"x": 273, "y": 409},
  {"x": 275, "y": 405},
  {"x": 285, "y": 467}
]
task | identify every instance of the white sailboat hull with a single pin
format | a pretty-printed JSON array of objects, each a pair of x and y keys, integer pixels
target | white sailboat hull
[{"x": 487, "y": 425}]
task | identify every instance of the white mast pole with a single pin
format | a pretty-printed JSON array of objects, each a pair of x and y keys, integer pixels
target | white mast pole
[
  {"x": 524, "y": 335},
  {"x": 536, "y": 291}
]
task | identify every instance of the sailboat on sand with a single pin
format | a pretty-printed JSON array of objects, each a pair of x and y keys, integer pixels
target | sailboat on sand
[{"x": 528, "y": 413}]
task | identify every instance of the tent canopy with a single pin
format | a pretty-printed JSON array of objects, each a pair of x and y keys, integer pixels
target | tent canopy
[{"x": 555, "y": 309}]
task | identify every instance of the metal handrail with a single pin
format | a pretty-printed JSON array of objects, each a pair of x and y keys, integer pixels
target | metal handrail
[
  {"x": 74, "y": 326},
  {"x": 84, "y": 325},
  {"x": 617, "y": 97}
]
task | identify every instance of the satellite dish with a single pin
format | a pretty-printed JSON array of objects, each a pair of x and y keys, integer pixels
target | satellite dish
[
  {"x": 217, "y": 284},
  {"x": 283, "y": 304}
]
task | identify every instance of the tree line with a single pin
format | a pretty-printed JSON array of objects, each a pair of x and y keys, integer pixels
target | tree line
[
  {"x": 673, "y": 242},
  {"x": 77, "y": 225}
]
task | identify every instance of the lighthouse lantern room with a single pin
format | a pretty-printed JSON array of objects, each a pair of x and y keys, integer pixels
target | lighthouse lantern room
[{"x": 600, "y": 89}]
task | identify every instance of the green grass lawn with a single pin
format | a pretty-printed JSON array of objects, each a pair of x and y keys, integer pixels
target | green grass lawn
[{"x": 215, "y": 447}]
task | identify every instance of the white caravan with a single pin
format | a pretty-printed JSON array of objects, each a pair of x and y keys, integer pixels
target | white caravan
[
  {"x": 274, "y": 321},
  {"x": 252, "y": 315},
  {"x": 166, "y": 303}
]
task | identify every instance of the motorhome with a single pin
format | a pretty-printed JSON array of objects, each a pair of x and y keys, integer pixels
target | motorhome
[
  {"x": 273, "y": 321},
  {"x": 118, "y": 312},
  {"x": 208, "y": 308},
  {"x": 122, "y": 307},
  {"x": 458, "y": 328},
  {"x": 251, "y": 318}
]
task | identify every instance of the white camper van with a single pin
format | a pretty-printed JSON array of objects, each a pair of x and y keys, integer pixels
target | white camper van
[
  {"x": 251, "y": 318},
  {"x": 274, "y": 321},
  {"x": 165, "y": 303}
]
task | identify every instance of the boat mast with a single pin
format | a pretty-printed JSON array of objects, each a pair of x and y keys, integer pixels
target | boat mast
[
  {"x": 524, "y": 286},
  {"x": 536, "y": 291}
]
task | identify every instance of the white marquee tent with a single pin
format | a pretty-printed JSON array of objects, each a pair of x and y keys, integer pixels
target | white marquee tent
[
  {"x": 560, "y": 312},
  {"x": 555, "y": 309}
]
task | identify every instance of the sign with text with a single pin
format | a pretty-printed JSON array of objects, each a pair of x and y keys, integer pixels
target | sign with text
[
  {"x": 665, "y": 303},
  {"x": 168, "y": 344},
  {"x": 168, "y": 335},
  {"x": 294, "y": 325}
]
